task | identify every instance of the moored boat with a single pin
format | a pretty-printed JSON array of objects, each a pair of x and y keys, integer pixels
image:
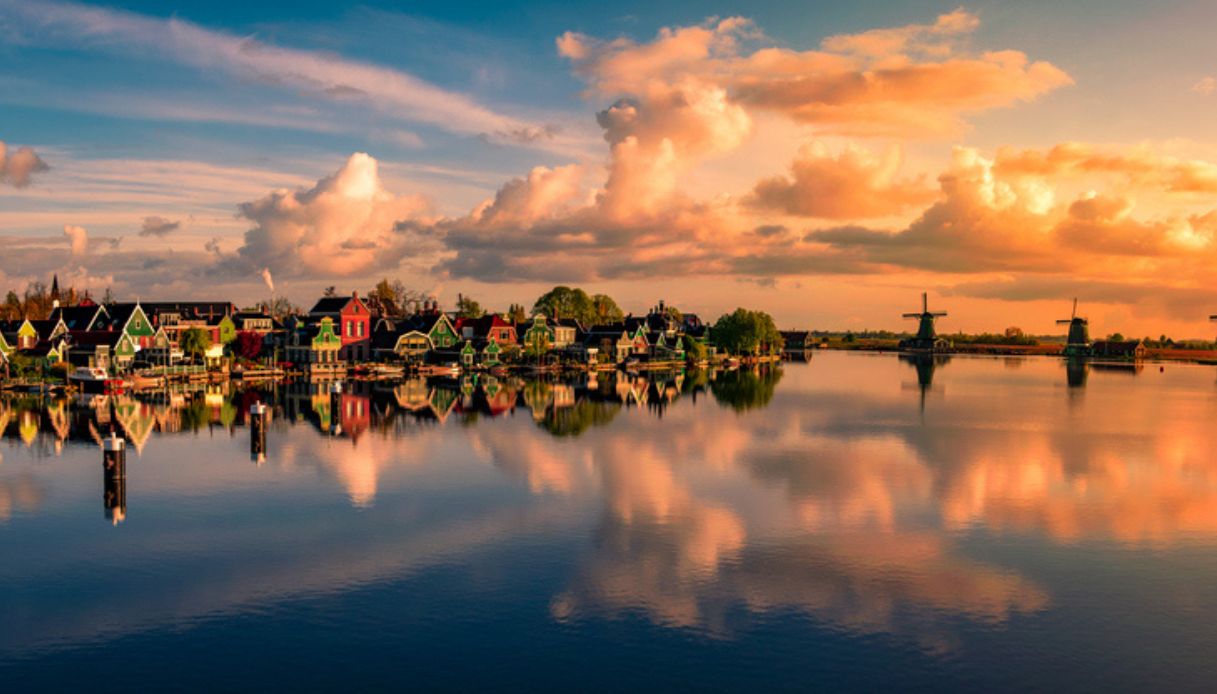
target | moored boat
[{"x": 94, "y": 379}]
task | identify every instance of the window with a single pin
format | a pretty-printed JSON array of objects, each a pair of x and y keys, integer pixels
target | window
[
  {"x": 361, "y": 329},
  {"x": 348, "y": 328}
]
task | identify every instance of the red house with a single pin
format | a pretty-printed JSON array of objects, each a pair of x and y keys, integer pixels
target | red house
[
  {"x": 489, "y": 327},
  {"x": 353, "y": 321}
]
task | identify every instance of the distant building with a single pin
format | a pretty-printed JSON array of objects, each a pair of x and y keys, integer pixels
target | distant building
[{"x": 1119, "y": 349}]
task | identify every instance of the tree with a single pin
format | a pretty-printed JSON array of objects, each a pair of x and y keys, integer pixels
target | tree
[
  {"x": 564, "y": 302},
  {"x": 394, "y": 298},
  {"x": 195, "y": 342},
  {"x": 694, "y": 349},
  {"x": 747, "y": 332},
  {"x": 37, "y": 301},
  {"x": 331, "y": 292},
  {"x": 466, "y": 307},
  {"x": 248, "y": 345},
  {"x": 12, "y": 306},
  {"x": 108, "y": 298},
  {"x": 516, "y": 314},
  {"x": 606, "y": 310},
  {"x": 280, "y": 307},
  {"x": 1116, "y": 337}
]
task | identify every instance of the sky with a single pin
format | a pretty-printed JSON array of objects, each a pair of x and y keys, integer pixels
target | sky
[{"x": 826, "y": 162}]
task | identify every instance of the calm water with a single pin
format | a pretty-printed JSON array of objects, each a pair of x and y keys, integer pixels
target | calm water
[{"x": 856, "y": 522}]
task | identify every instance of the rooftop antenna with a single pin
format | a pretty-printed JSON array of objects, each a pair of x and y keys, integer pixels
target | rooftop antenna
[{"x": 1078, "y": 344}]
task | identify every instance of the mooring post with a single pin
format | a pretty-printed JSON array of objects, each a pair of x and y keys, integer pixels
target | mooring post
[
  {"x": 114, "y": 478},
  {"x": 336, "y": 408},
  {"x": 258, "y": 416}
]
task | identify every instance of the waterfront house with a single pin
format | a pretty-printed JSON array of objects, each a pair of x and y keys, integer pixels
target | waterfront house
[
  {"x": 130, "y": 319},
  {"x": 536, "y": 335},
  {"x": 393, "y": 343},
  {"x": 797, "y": 344},
  {"x": 81, "y": 317},
  {"x": 99, "y": 348},
  {"x": 489, "y": 327},
  {"x": 316, "y": 349},
  {"x": 482, "y": 352},
  {"x": 353, "y": 321},
  {"x": 1119, "y": 349},
  {"x": 612, "y": 341}
]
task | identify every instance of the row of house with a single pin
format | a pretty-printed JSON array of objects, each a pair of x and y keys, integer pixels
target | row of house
[
  {"x": 340, "y": 331},
  {"x": 118, "y": 335}
]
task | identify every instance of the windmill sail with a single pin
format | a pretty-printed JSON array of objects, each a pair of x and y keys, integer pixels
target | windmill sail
[
  {"x": 1078, "y": 343},
  {"x": 927, "y": 339}
]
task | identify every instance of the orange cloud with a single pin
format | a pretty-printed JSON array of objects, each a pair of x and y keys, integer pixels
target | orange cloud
[
  {"x": 853, "y": 184},
  {"x": 908, "y": 80}
]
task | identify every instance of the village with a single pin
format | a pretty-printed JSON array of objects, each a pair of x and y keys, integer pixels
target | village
[
  {"x": 96, "y": 346},
  {"x": 102, "y": 346}
]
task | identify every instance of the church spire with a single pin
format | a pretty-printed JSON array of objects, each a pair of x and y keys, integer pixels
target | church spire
[{"x": 55, "y": 287}]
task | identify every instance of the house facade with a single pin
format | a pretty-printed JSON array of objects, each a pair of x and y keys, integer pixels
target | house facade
[{"x": 353, "y": 322}]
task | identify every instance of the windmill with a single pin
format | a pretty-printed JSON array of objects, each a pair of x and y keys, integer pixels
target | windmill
[
  {"x": 1078, "y": 344},
  {"x": 927, "y": 338}
]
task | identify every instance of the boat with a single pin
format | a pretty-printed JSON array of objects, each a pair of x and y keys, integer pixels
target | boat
[
  {"x": 147, "y": 381},
  {"x": 94, "y": 379}
]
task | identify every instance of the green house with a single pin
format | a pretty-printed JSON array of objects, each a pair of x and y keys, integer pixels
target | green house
[{"x": 443, "y": 334}]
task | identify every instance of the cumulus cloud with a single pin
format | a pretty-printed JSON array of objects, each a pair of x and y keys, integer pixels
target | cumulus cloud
[
  {"x": 994, "y": 216},
  {"x": 346, "y": 224},
  {"x": 850, "y": 185},
  {"x": 17, "y": 168},
  {"x": 158, "y": 226},
  {"x": 78, "y": 237},
  {"x": 1138, "y": 165},
  {"x": 914, "y": 80}
]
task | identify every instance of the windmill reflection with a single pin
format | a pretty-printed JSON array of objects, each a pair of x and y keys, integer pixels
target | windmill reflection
[{"x": 925, "y": 365}]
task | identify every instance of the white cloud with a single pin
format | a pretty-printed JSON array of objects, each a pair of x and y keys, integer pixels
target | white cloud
[
  {"x": 78, "y": 237},
  {"x": 17, "y": 169},
  {"x": 344, "y": 225},
  {"x": 322, "y": 75}
]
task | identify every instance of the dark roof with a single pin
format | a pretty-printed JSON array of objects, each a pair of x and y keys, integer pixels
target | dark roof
[
  {"x": 330, "y": 305},
  {"x": 76, "y": 317},
  {"x": 482, "y": 326},
  {"x": 188, "y": 309},
  {"x": 92, "y": 338},
  {"x": 44, "y": 327}
]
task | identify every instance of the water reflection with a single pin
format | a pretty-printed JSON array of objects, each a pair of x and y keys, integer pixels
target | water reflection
[{"x": 806, "y": 489}]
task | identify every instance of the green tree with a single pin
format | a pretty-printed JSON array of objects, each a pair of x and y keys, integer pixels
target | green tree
[
  {"x": 466, "y": 307},
  {"x": 745, "y": 332},
  {"x": 564, "y": 302},
  {"x": 516, "y": 314},
  {"x": 195, "y": 342},
  {"x": 606, "y": 310},
  {"x": 12, "y": 306},
  {"x": 694, "y": 349}
]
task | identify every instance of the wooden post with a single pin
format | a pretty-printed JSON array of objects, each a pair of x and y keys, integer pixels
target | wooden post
[
  {"x": 336, "y": 408},
  {"x": 114, "y": 478},
  {"x": 259, "y": 414}
]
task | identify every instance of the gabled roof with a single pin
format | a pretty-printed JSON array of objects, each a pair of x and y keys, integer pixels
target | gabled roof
[
  {"x": 92, "y": 338},
  {"x": 482, "y": 326},
  {"x": 78, "y": 317},
  {"x": 189, "y": 309},
  {"x": 334, "y": 305}
]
